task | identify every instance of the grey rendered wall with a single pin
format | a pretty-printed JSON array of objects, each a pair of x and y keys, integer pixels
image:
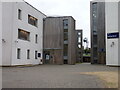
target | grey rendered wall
[
  {"x": 79, "y": 57},
  {"x": 53, "y": 37},
  {"x": 53, "y": 33},
  {"x": 100, "y": 25},
  {"x": 101, "y": 33},
  {"x": 71, "y": 41}
]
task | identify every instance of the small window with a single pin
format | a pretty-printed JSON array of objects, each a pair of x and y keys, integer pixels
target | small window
[
  {"x": 39, "y": 55},
  {"x": 28, "y": 54},
  {"x": 36, "y": 38},
  {"x": 18, "y": 53},
  {"x": 19, "y": 14},
  {"x": 32, "y": 20},
  {"x": 24, "y": 35},
  {"x": 36, "y": 54}
]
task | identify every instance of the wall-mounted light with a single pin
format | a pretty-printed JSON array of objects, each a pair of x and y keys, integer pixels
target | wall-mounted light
[
  {"x": 113, "y": 43},
  {"x": 16, "y": 41},
  {"x": 3, "y": 40}
]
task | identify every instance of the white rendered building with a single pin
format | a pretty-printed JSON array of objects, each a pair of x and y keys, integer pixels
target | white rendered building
[
  {"x": 112, "y": 10},
  {"x": 22, "y": 34},
  {"x": 0, "y": 34}
]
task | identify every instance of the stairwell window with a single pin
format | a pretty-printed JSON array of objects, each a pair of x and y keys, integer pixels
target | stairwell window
[
  {"x": 19, "y": 14},
  {"x": 32, "y": 20}
]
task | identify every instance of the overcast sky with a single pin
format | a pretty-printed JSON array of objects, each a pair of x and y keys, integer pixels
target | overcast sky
[{"x": 79, "y": 9}]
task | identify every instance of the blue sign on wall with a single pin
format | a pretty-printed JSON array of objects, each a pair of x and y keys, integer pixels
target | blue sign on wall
[{"x": 113, "y": 35}]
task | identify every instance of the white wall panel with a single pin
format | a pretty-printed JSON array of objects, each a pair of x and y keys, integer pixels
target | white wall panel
[{"x": 111, "y": 27}]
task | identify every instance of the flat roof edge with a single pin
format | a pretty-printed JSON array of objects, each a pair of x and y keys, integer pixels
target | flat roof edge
[{"x": 59, "y": 17}]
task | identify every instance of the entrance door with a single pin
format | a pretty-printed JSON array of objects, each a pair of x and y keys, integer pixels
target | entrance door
[{"x": 47, "y": 57}]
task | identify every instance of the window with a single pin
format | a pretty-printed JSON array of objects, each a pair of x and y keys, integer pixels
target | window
[
  {"x": 79, "y": 40},
  {"x": 19, "y": 14},
  {"x": 95, "y": 40},
  {"x": 18, "y": 53},
  {"x": 79, "y": 46},
  {"x": 28, "y": 54},
  {"x": 65, "y": 23},
  {"x": 79, "y": 34},
  {"x": 65, "y": 36},
  {"x": 32, "y": 20},
  {"x": 24, "y": 35},
  {"x": 65, "y": 52},
  {"x": 36, "y": 38},
  {"x": 39, "y": 55},
  {"x": 94, "y": 12},
  {"x": 36, "y": 54}
]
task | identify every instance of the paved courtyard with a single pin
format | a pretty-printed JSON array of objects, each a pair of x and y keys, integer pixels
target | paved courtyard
[{"x": 53, "y": 76}]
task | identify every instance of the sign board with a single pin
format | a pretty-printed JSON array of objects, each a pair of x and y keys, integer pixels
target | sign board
[
  {"x": 47, "y": 57},
  {"x": 113, "y": 35},
  {"x": 101, "y": 50}
]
